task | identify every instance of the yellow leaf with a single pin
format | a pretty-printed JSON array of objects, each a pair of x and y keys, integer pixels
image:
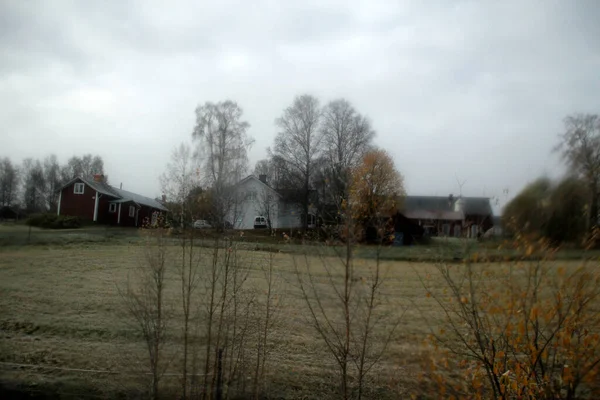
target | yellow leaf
[{"x": 529, "y": 251}]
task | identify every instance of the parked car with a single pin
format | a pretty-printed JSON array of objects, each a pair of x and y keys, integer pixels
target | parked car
[
  {"x": 202, "y": 224},
  {"x": 260, "y": 222}
]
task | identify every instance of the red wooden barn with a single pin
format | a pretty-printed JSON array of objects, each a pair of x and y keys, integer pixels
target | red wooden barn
[{"x": 97, "y": 201}]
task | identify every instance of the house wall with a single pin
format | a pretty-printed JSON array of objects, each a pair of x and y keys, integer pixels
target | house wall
[
  {"x": 463, "y": 227},
  {"x": 108, "y": 217},
  {"x": 78, "y": 205},
  {"x": 104, "y": 217},
  {"x": 283, "y": 215},
  {"x": 82, "y": 205},
  {"x": 249, "y": 207},
  {"x": 436, "y": 227},
  {"x": 126, "y": 220},
  {"x": 485, "y": 222}
]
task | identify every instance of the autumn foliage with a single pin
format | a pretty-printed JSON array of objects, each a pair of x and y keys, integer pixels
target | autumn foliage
[
  {"x": 524, "y": 330},
  {"x": 376, "y": 187}
]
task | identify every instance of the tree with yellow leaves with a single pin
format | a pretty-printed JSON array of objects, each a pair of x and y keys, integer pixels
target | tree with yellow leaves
[{"x": 376, "y": 189}]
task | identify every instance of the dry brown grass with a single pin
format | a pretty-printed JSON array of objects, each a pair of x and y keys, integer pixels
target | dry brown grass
[{"x": 61, "y": 308}]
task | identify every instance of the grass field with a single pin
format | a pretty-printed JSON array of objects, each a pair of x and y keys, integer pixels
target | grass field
[
  {"x": 14, "y": 236},
  {"x": 63, "y": 326},
  {"x": 60, "y": 307}
]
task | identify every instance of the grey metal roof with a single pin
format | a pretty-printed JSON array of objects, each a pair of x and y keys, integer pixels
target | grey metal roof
[
  {"x": 100, "y": 187},
  {"x": 143, "y": 200},
  {"x": 121, "y": 201}
]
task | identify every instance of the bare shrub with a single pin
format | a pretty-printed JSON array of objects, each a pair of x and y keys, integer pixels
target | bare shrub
[
  {"x": 348, "y": 311},
  {"x": 267, "y": 313},
  {"x": 227, "y": 313},
  {"x": 145, "y": 302}
]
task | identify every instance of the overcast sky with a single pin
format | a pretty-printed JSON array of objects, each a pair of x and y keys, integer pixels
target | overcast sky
[{"x": 469, "y": 89}]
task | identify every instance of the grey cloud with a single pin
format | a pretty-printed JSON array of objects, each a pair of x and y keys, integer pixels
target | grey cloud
[{"x": 464, "y": 88}]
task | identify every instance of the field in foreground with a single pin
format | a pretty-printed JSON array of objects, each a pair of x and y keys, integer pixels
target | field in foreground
[{"x": 63, "y": 325}]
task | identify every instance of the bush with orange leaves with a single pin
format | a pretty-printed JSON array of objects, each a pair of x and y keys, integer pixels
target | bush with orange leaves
[{"x": 525, "y": 330}]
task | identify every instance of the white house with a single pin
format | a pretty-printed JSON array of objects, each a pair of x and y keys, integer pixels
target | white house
[{"x": 256, "y": 198}]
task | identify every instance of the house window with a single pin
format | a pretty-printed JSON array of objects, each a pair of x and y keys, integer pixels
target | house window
[
  {"x": 251, "y": 196},
  {"x": 131, "y": 211},
  {"x": 474, "y": 230},
  {"x": 154, "y": 219},
  {"x": 112, "y": 207},
  {"x": 79, "y": 188}
]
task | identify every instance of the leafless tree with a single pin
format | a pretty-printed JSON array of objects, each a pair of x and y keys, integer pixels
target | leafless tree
[
  {"x": 580, "y": 148},
  {"x": 180, "y": 178},
  {"x": 227, "y": 315},
  {"x": 264, "y": 167},
  {"x": 298, "y": 143},
  {"x": 356, "y": 329},
  {"x": 9, "y": 182},
  {"x": 86, "y": 167},
  {"x": 223, "y": 148},
  {"x": 347, "y": 136},
  {"x": 145, "y": 302},
  {"x": 53, "y": 181},
  {"x": 34, "y": 186}
]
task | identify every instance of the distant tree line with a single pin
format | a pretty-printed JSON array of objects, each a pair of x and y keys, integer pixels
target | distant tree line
[
  {"x": 566, "y": 210},
  {"x": 32, "y": 186},
  {"x": 315, "y": 154}
]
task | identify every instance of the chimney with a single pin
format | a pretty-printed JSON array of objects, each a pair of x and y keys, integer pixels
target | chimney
[
  {"x": 164, "y": 198},
  {"x": 121, "y": 185},
  {"x": 98, "y": 178},
  {"x": 262, "y": 178}
]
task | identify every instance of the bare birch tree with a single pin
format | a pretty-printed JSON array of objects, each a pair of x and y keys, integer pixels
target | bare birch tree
[
  {"x": 181, "y": 177},
  {"x": 223, "y": 145},
  {"x": 85, "y": 167},
  {"x": 347, "y": 136},
  {"x": 53, "y": 181},
  {"x": 580, "y": 148},
  {"x": 298, "y": 144}
]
